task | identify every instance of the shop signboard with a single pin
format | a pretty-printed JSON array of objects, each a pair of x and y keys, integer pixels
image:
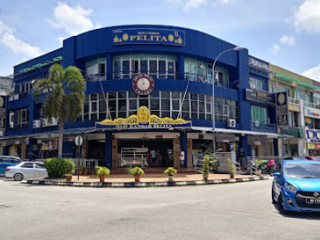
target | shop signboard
[
  {"x": 282, "y": 109},
  {"x": 313, "y": 135},
  {"x": 295, "y": 132},
  {"x": 143, "y": 120},
  {"x": 259, "y": 96},
  {"x": 312, "y": 112},
  {"x": 148, "y": 36}
]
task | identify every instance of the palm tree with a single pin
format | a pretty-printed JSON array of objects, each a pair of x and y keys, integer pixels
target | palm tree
[{"x": 66, "y": 99}]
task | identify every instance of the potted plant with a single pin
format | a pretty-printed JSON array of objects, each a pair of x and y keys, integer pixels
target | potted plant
[
  {"x": 136, "y": 172},
  {"x": 85, "y": 171},
  {"x": 258, "y": 163},
  {"x": 170, "y": 171},
  {"x": 102, "y": 172},
  {"x": 68, "y": 177},
  {"x": 231, "y": 168},
  {"x": 205, "y": 167},
  {"x": 81, "y": 169}
]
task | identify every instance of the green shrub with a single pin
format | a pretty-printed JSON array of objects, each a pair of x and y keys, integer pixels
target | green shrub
[
  {"x": 170, "y": 171},
  {"x": 136, "y": 171},
  {"x": 59, "y": 167},
  {"x": 230, "y": 166},
  {"x": 102, "y": 171},
  {"x": 205, "y": 167}
]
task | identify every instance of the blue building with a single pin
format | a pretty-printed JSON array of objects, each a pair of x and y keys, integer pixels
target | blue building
[{"x": 136, "y": 72}]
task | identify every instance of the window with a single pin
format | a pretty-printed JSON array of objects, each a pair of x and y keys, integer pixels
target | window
[
  {"x": 258, "y": 115},
  {"x": 159, "y": 66},
  {"x": 96, "y": 69},
  {"x": 300, "y": 94},
  {"x": 225, "y": 109},
  {"x": 27, "y": 165},
  {"x": 256, "y": 83},
  {"x": 39, "y": 165}
]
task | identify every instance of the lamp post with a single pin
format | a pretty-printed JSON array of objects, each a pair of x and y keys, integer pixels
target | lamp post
[{"x": 238, "y": 48}]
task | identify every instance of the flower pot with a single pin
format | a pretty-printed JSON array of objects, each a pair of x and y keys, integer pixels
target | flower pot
[
  {"x": 69, "y": 177},
  {"x": 205, "y": 176},
  {"x": 231, "y": 175},
  {"x": 102, "y": 178},
  {"x": 85, "y": 172},
  {"x": 258, "y": 172},
  {"x": 137, "y": 178},
  {"x": 170, "y": 178},
  {"x": 80, "y": 172}
]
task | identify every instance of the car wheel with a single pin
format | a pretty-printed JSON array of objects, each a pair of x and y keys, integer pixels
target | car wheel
[
  {"x": 272, "y": 196},
  {"x": 18, "y": 177},
  {"x": 281, "y": 208}
]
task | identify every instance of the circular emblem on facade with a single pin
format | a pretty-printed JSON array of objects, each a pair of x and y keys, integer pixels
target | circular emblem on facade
[
  {"x": 125, "y": 37},
  {"x": 143, "y": 115},
  {"x": 1, "y": 102},
  {"x": 143, "y": 84},
  {"x": 281, "y": 98},
  {"x": 316, "y": 194}
]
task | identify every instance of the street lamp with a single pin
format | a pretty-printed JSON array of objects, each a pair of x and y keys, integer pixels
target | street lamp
[{"x": 238, "y": 48}]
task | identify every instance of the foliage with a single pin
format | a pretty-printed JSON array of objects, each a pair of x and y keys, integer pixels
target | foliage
[
  {"x": 102, "y": 171},
  {"x": 230, "y": 166},
  {"x": 59, "y": 167},
  {"x": 136, "y": 171},
  {"x": 205, "y": 167},
  {"x": 213, "y": 161},
  {"x": 65, "y": 99},
  {"x": 82, "y": 168},
  {"x": 170, "y": 171}
]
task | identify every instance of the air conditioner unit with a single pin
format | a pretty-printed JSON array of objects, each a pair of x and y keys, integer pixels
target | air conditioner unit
[
  {"x": 44, "y": 122},
  {"x": 53, "y": 122},
  {"x": 231, "y": 123},
  {"x": 36, "y": 123}
]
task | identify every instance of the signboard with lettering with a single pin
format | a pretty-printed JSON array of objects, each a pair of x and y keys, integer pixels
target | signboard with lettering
[
  {"x": 295, "y": 132},
  {"x": 258, "y": 64},
  {"x": 282, "y": 109},
  {"x": 312, "y": 112},
  {"x": 313, "y": 135},
  {"x": 259, "y": 96},
  {"x": 143, "y": 120},
  {"x": 148, "y": 36}
]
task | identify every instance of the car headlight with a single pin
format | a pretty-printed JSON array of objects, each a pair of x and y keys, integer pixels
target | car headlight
[{"x": 290, "y": 188}]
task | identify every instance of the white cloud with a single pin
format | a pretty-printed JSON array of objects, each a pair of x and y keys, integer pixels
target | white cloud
[
  {"x": 313, "y": 73},
  {"x": 307, "y": 17},
  {"x": 189, "y": 4},
  {"x": 73, "y": 20},
  {"x": 287, "y": 40},
  {"x": 275, "y": 49},
  {"x": 9, "y": 39},
  {"x": 228, "y": 1}
]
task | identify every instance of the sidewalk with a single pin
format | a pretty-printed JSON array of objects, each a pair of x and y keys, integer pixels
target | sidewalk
[{"x": 146, "y": 180}]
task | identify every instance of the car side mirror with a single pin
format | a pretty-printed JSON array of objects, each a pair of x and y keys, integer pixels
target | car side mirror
[{"x": 276, "y": 174}]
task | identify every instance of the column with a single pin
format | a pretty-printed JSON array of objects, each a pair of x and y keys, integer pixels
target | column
[{"x": 108, "y": 150}]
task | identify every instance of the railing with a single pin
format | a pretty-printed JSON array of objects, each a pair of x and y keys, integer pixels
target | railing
[
  {"x": 294, "y": 101},
  {"x": 264, "y": 127}
]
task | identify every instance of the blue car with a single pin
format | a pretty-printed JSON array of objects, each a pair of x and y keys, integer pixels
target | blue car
[
  {"x": 296, "y": 186},
  {"x": 6, "y": 161}
]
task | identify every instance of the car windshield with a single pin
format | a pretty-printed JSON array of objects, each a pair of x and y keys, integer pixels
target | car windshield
[{"x": 295, "y": 170}]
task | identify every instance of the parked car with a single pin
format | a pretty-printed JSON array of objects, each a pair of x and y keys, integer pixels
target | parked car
[
  {"x": 6, "y": 161},
  {"x": 27, "y": 170},
  {"x": 296, "y": 187},
  {"x": 313, "y": 158}
]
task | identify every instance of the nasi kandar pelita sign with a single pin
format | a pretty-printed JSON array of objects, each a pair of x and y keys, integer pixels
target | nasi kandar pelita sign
[{"x": 143, "y": 120}]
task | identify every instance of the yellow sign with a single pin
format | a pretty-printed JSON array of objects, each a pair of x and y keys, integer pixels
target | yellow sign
[{"x": 143, "y": 119}]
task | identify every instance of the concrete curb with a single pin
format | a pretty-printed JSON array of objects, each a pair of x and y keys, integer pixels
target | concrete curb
[{"x": 143, "y": 184}]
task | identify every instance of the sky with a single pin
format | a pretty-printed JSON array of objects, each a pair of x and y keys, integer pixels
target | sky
[{"x": 285, "y": 33}]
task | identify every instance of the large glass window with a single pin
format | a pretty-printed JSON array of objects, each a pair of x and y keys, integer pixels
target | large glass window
[
  {"x": 201, "y": 71},
  {"x": 258, "y": 115},
  {"x": 159, "y": 66},
  {"x": 96, "y": 69},
  {"x": 256, "y": 83},
  {"x": 163, "y": 104}
]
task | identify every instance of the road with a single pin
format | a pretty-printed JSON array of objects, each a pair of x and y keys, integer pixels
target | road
[{"x": 227, "y": 211}]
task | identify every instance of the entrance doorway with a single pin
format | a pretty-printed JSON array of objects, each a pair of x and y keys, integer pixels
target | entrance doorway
[{"x": 154, "y": 153}]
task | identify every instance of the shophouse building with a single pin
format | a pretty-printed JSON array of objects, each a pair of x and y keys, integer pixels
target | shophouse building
[{"x": 149, "y": 96}]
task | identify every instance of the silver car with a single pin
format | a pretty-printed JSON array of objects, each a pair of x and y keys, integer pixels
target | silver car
[{"x": 26, "y": 170}]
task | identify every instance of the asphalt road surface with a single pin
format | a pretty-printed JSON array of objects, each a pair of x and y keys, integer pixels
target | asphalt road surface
[{"x": 227, "y": 211}]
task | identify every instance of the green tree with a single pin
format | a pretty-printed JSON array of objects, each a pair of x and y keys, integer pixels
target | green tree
[{"x": 66, "y": 99}]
